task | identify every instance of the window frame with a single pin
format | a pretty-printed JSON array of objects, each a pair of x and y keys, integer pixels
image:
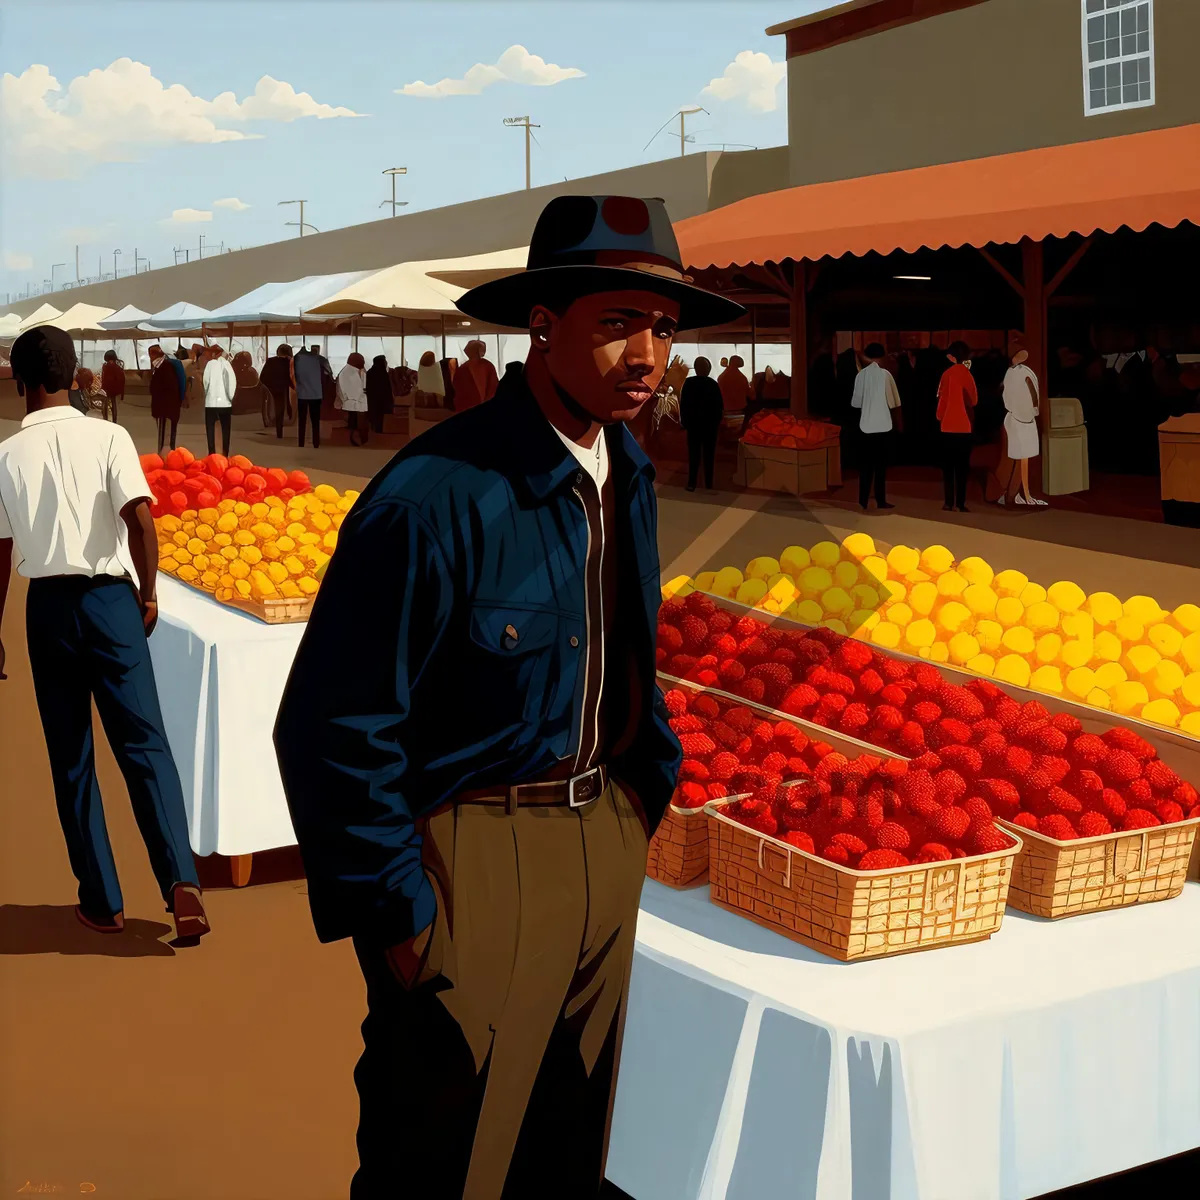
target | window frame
[{"x": 1123, "y": 105}]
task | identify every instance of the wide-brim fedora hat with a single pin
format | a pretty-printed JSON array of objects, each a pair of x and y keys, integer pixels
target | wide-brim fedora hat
[{"x": 582, "y": 245}]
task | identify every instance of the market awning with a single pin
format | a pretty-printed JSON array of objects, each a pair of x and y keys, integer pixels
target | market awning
[
  {"x": 42, "y": 315},
  {"x": 127, "y": 318},
  {"x": 181, "y": 316},
  {"x": 276, "y": 302},
  {"x": 81, "y": 320},
  {"x": 1134, "y": 180}
]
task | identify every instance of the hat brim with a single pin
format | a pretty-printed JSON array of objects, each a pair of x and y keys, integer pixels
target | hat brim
[{"x": 508, "y": 301}]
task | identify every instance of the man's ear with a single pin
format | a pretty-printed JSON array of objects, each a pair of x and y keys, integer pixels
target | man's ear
[{"x": 542, "y": 323}]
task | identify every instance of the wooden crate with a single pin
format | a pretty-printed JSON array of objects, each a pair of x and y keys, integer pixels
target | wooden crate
[
  {"x": 275, "y": 611},
  {"x": 1062, "y": 879},
  {"x": 851, "y": 914},
  {"x": 780, "y": 469}
]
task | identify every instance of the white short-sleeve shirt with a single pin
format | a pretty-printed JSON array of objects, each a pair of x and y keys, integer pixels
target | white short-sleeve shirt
[
  {"x": 875, "y": 393},
  {"x": 63, "y": 482}
]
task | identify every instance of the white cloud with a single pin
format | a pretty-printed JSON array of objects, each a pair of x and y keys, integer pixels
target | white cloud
[
  {"x": 231, "y": 202},
  {"x": 109, "y": 114},
  {"x": 752, "y": 78},
  {"x": 515, "y": 65},
  {"x": 17, "y": 262},
  {"x": 188, "y": 216}
]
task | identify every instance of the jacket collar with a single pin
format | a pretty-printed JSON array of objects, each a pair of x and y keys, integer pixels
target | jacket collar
[
  {"x": 55, "y": 412},
  {"x": 544, "y": 462}
]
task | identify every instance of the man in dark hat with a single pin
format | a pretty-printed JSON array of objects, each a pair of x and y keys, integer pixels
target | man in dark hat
[{"x": 474, "y": 783}]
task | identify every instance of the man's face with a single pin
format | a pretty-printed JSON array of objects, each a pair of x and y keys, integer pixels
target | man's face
[{"x": 608, "y": 351}]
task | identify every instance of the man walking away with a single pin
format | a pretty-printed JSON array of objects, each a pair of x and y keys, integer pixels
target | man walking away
[
  {"x": 220, "y": 385},
  {"x": 165, "y": 396},
  {"x": 957, "y": 398},
  {"x": 112, "y": 381},
  {"x": 311, "y": 370},
  {"x": 700, "y": 410},
  {"x": 177, "y": 364},
  {"x": 877, "y": 398},
  {"x": 75, "y": 505},
  {"x": 279, "y": 378}
]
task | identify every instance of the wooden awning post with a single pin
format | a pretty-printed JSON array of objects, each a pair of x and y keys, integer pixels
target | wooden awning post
[
  {"x": 798, "y": 330},
  {"x": 753, "y": 340},
  {"x": 403, "y": 360},
  {"x": 1033, "y": 270}
]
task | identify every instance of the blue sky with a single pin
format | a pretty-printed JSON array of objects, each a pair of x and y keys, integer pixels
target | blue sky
[{"x": 640, "y": 61}]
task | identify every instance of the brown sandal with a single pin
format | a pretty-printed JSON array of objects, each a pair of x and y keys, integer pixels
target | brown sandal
[{"x": 188, "y": 910}]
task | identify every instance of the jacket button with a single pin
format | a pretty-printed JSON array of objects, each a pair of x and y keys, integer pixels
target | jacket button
[
  {"x": 578, "y": 478},
  {"x": 574, "y": 641}
]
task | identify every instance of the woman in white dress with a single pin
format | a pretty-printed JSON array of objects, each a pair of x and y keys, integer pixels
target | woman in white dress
[
  {"x": 352, "y": 397},
  {"x": 1021, "y": 427}
]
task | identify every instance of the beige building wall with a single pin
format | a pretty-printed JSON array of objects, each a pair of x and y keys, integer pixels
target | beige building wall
[
  {"x": 998, "y": 77},
  {"x": 690, "y": 185}
]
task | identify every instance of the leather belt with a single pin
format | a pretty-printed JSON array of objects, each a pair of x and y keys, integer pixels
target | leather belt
[{"x": 576, "y": 792}]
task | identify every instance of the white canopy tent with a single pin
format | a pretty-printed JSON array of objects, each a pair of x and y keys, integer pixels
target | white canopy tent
[
  {"x": 282, "y": 302},
  {"x": 40, "y": 316},
  {"x": 81, "y": 320},
  {"x": 10, "y": 325},
  {"x": 179, "y": 317},
  {"x": 124, "y": 319}
]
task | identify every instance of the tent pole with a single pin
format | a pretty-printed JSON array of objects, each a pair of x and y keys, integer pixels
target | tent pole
[
  {"x": 753, "y": 340},
  {"x": 443, "y": 319},
  {"x": 137, "y": 362},
  {"x": 497, "y": 350},
  {"x": 354, "y": 333},
  {"x": 403, "y": 360}
]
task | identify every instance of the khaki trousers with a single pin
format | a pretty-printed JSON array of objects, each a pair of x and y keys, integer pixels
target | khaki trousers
[{"x": 494, "y": 1075}]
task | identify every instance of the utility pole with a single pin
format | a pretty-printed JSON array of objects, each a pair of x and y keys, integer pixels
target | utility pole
[
  {"x": 137, "y": 258},
  {"x": 202, "y": 246},
  {"x": 393, "y": 172},
  {"x": 115, "y": 253},
  {"x": 77, "y": 279},
  {"x": 686, "y": 112},
  {"x": 301, "y": 222},
  {"x": 523, "y": 123},
  {"x": 54, "y": 267}
]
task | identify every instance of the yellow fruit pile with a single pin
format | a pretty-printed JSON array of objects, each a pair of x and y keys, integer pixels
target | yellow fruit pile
[
  {"x": 274, "y": 549},
  {"x": 1128, "y": 656}
]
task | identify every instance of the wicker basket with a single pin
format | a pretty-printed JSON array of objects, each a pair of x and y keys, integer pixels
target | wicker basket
[
  {"x": 678, "y": 853},
  {"x": 275, "y": 611},
  {"x": 855, "y": 914},
  {"x": 1062, "y": 879}
]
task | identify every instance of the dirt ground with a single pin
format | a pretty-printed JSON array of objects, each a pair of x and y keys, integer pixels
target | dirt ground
[{"x": 132, "y": 1069}]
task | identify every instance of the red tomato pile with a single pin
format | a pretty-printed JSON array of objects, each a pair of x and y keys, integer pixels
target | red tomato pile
[
  {"x": 181, "y": 481},
  {"x": 977, "y": 747}
]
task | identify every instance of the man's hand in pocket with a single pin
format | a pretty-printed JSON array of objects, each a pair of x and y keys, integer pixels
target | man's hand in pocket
[{"x": 407, "y": 958}]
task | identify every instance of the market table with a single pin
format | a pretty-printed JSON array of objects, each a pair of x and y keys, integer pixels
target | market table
[
  {"x": 221, "y": 675},
  {"x": 1054, "y": 1053}
]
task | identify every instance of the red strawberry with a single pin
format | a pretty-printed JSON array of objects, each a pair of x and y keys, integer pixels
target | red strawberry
[
  {"x": 1084, "y": 783},
  {"x": 841, "y": 684},
  {"x": 854, "y": 845},
  {"x": 853, "y": 657},
  {"x": 1160, "y": 777},
  {"x": 821, "y": 750},
  {"x": 808, "y": 651},
  {"x": 892, "y": 769},
  {"x": 697, "y": 745},
  {"x": 1139, "y": 818},
  {"x": 730, "y": 672},
  {"x": 949, "y": 732},
  {"x": 706, "y": 706},
  {"x": 993, "y": 747},
  {"x": 1003, "y": 796},
  {"x": 776, "y": 680},
  {"x": 763, "y": 733},
  {"x": 1062, "y": 801},
  {"x": 1026, "y": 821},
  {"x": 894, "y": 695},
  {"x": 717, "y": 791},
  {"x": 1018, "y": 762},
  {"x": 680, "y": 665},
  {"x": 910, "y": 738},
  {"x": 949, "y": 786},
  {"x": 660, "y": 655},
  {"x": 981, "y": 728},
  {"x": 693, "y": 770},
  {"x": 724, "y": 645},
  {"x": 987, "y": 691},
  {"x": 688, "y": 723},
  {"x": 1034, "y": 710},
  {"x": 1112, "y": 804},
  {"x": 976, "y": 807},
  {"x": 723, "y": 733},
  {"x": 706, "y": 678},
  {"x": 966, "y": 760},
  {"x": 701, "y": 604},
  {"x": 1088, "y": 750},
  {"x": 1056, "y": 826},
  {"x": 836, "y": 854},
  {"x": 925, "y": 713},
  {"x": 886, "y": 719},
  {"x": 785, "y": 735},
  {"x": 1007, "y": 711},
  {"x": 783, "y": 655},
  {"x": 753, "y": 650},
  {"x": 800, "y": 741},
  {"x": 1186, "y": 796},
  {"x": 854, "y": 719},
  {"x": 1139, "y": 794},
  {"x": 676, "y": 702},
  {"x": 928, "y": 679},
  {"x": 775, "y": 763},
  {"x": 739, "y": 718},
  {"x": 796, "y": 766},
  {"x": 1066, "y": 723},
  {"x": 765, "y": 823},
  {"x": 828, "y": 637},
  {"x": 800, "y": 700},
  {"x": 719, "y": 622},
  {"x": 1169, "y": 811},
  {"x": 829, "y": 709},
  {"x": 1121, "y": 738},
  {"x": 959, "y": 704},
  {"x": 915, "y": 784},
  {"x": 750, "y": 689},
  {"x": 669, "y": 639},
  {"x": 748, "y": 779},
  {"x": 892, "y": 669},
  {"x": 951, "y": 823},
  {"x": 694, "y": 633},
  {"x": 984, "y": 838},
  {"x": 927, "y": 761},
  {"x": 892, "y": 836},
  {"x": 801, "y": 840},
  {"x": 1056, "y": 767},
  {"x": 870, "y": 811},
  {"x": 839, "y": 810},
  {"x": 870, "y": 683},
  {"x": 1193, "y": 812},
  {"x": 746, "y": 626},
  {"x": 690, "y": 795},
  {"x": 671, "y": 612},
  {"x": 882, "y": 860},
  {"x": 933, "y": 852},
  {"x": 1093, "y": 824},
  {"x": 723, "y": 766}
]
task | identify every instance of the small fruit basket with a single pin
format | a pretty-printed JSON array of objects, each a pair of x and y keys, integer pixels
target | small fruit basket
[
  {"x": 678, "y": 854},
  {"x": 859, "y": 912}
]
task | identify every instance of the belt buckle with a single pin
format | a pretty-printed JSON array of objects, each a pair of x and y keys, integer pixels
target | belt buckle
[{"x": 584, "y": 789}]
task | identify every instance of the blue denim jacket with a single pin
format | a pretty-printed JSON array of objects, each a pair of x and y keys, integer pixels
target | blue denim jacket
[{"x": 406, "y": 690}]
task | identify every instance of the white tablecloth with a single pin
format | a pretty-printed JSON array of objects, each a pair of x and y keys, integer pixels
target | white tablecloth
[
  {"x": 220, "y": 677},
  {"x": 754, "y": 1068}
]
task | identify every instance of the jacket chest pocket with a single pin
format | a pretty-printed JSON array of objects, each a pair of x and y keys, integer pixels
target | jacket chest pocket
[{"x": 519, "y": 653}]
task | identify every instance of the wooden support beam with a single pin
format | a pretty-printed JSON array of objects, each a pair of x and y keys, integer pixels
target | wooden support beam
[
  {"x": 1068, "y": 267},
  {"x": 798, "y": 328},
  {"x": 1034, "y": 269},
  {"x": 1002, "y": 271}
]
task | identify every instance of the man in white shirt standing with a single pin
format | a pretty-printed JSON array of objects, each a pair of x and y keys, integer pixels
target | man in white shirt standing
[
  {"x": 220, "y": 384},
  {"x": 75, "y": 505},
  {"x": 876, "y": 396}
]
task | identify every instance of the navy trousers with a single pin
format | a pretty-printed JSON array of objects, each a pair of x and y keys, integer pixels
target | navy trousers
[{"x": 86, "y": 639}]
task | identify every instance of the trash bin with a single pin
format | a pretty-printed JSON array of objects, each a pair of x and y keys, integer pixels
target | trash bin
[
  {"x": 1065, "y": 465},
  {"x": 1179, "y": 465}
]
